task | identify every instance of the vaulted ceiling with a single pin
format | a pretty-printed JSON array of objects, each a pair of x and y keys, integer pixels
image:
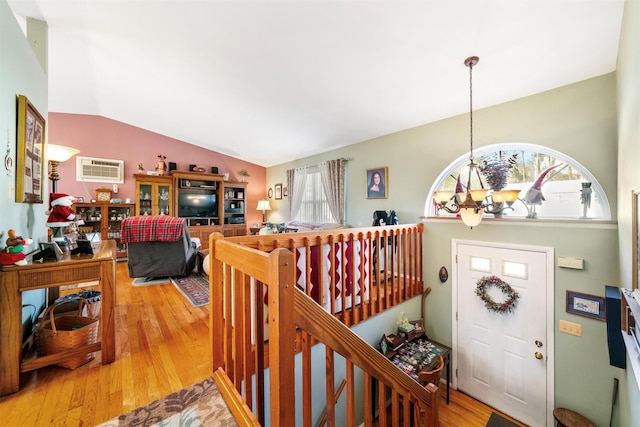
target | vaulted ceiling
[{"x": 270, "y": 81}]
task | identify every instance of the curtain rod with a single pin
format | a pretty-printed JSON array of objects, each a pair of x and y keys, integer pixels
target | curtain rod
[{"x": 316, "y": 165}]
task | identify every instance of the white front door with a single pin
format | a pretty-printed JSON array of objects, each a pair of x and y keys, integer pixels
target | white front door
[{"x": 502, "y": 358}]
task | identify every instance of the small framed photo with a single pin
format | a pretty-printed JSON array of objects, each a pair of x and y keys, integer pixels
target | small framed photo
[
  {"x": 385, "y": 347},
  {"x": 103, "y": 195},
  {"x": 285, "y": 191},
  {"x": 586, "y": 305},
  {"x": 278, "y": 189},
  {"x": 83, "y": 248},
  {"x": 49, "y": 251},
  {"x": 79, "y": 199},
  {"x": 377, "y": 183}
]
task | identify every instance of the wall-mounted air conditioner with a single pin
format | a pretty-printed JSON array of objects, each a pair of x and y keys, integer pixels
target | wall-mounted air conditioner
[{"x": 91, "y": 169}]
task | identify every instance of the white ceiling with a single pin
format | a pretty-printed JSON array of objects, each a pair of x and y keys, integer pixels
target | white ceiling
[{"x": 270, "y": 81}]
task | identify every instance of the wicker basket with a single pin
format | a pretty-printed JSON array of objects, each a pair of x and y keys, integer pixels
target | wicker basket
[
  {"x": 65, "y": 332},
  {"x": 92, "y": 296}
]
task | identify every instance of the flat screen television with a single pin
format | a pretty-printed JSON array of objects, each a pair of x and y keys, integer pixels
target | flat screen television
[{"x": 197, "y": 204}]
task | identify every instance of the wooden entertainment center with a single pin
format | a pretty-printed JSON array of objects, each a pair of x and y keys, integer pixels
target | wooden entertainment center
[{"x": 206, "y": 201}]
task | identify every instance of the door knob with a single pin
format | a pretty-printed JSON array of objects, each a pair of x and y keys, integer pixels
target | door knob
[{"x": 538, "y": 355}]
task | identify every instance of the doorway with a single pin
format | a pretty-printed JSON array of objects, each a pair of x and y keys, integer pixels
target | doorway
[{"x": 505, "y": 358}]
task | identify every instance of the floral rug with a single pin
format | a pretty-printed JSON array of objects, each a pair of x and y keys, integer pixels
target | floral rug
[
  {"x": 198, "y": 405},
  {"x": 195, "y": 287}
]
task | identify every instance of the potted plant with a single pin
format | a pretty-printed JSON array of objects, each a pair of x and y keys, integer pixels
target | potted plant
[
  {"x": 244, "y": 174},
  {"x": 496, "y": 168}
]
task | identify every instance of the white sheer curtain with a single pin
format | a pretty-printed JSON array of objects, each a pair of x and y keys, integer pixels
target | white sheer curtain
[
  {"x": 332, "y": 173},
  {"x": 296, "y": 181}
]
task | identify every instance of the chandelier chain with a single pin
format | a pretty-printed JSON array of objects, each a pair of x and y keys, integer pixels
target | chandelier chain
[{"x": 471, "y": 111}]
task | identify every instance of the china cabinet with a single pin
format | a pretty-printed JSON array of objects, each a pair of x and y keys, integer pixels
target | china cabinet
[
  {"x": 102, "y": 221},
  {"x": 154, "y": 195}
]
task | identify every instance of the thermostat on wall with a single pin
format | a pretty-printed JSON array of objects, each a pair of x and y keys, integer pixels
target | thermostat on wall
[{"x": 570, "y": 262}]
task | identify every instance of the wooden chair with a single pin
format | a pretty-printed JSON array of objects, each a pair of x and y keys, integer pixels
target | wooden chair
[{"x": 432, "y": 376}]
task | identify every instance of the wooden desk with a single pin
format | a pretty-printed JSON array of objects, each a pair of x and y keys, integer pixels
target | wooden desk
[
  {"x": 51, "y": 274},
  {"x": 420, "y": 354}
]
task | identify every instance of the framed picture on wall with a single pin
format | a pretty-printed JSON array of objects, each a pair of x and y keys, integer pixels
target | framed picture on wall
[
  {"x": 586, "y": 305},
  {"x": 377, "y": 183},
  {"x": 29, "y": 153},
  {"x": 278, "y": 188}
]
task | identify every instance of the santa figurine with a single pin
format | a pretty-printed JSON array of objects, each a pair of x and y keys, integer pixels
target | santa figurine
[
  {"x": 61, "y": 215},
  {"x": 13, "y": 253}
]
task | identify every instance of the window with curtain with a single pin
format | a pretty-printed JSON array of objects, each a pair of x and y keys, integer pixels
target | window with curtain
[{"x": 314, "y": 206}]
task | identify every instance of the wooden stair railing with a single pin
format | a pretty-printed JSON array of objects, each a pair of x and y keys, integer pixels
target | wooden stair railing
[
  {"x": 237, "y": 275},
  {"x": 400, "y": 252}
]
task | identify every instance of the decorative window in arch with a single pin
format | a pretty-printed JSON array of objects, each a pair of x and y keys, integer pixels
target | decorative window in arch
[{"x": 523, "y": 181}]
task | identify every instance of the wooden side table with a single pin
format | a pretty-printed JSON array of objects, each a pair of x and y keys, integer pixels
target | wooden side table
[
  {"x": 568, "y": 418},
  {"x": 72, "y": 269}
]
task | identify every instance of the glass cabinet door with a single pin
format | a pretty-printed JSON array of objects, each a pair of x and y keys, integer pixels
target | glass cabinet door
[
  {"x": 145, "y": 192},
  {"x": 164, "y": 199},
  {"x": 154, "y": 196}
]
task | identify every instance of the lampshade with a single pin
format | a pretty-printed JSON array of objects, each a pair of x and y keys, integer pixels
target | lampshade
[
  {"x": 263, "y": 205},
  {"x": 508, "y": 196},
  {"x": 442, "y": 196},
  {"x": 59, "y": 153}
]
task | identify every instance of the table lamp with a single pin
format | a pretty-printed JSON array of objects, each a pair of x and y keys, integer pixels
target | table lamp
[{"x": 264, "y": 206}]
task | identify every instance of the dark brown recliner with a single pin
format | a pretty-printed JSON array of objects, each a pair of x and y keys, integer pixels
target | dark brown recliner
[{"x": 158, "y": 246}]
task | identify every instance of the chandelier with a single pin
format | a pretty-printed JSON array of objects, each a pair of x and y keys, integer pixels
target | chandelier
[{"x": 472, "y": 204}]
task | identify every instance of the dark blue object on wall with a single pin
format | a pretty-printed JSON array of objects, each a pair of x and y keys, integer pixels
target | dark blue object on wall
[{"x": 617, "y": 350}]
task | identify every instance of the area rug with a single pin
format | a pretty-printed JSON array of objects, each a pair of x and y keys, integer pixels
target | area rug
[
  {"x": 145, "y": 281},
  {"x": 195, "y": 287},
  {"x": 198, "y": 405},
  {"x": 496, "y": 420}
]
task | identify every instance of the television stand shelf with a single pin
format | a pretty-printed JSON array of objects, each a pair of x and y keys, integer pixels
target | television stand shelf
[{"x": 201, "y": 221}]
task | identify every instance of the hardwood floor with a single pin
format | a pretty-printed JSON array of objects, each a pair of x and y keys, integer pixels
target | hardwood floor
[{"x": 162, "y": 345}]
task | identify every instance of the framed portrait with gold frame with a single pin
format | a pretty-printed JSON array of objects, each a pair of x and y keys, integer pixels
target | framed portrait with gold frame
[
  {"x": 377, "y": 183},
  {"x": 29, "y": 156}
]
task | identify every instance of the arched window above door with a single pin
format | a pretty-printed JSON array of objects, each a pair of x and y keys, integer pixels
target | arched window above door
[{"x": 552, "y": 185}]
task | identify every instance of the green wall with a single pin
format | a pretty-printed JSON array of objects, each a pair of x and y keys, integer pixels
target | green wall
[
  {"x": 26, "y": 77},
  {"x": 578, "y": 120}
]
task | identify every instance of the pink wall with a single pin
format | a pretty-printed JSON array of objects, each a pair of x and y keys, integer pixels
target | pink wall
[{"x": 97, "y": 136}]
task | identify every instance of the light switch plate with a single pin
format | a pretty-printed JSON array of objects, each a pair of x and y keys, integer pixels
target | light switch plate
[{"x": 571, "y": 328}]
